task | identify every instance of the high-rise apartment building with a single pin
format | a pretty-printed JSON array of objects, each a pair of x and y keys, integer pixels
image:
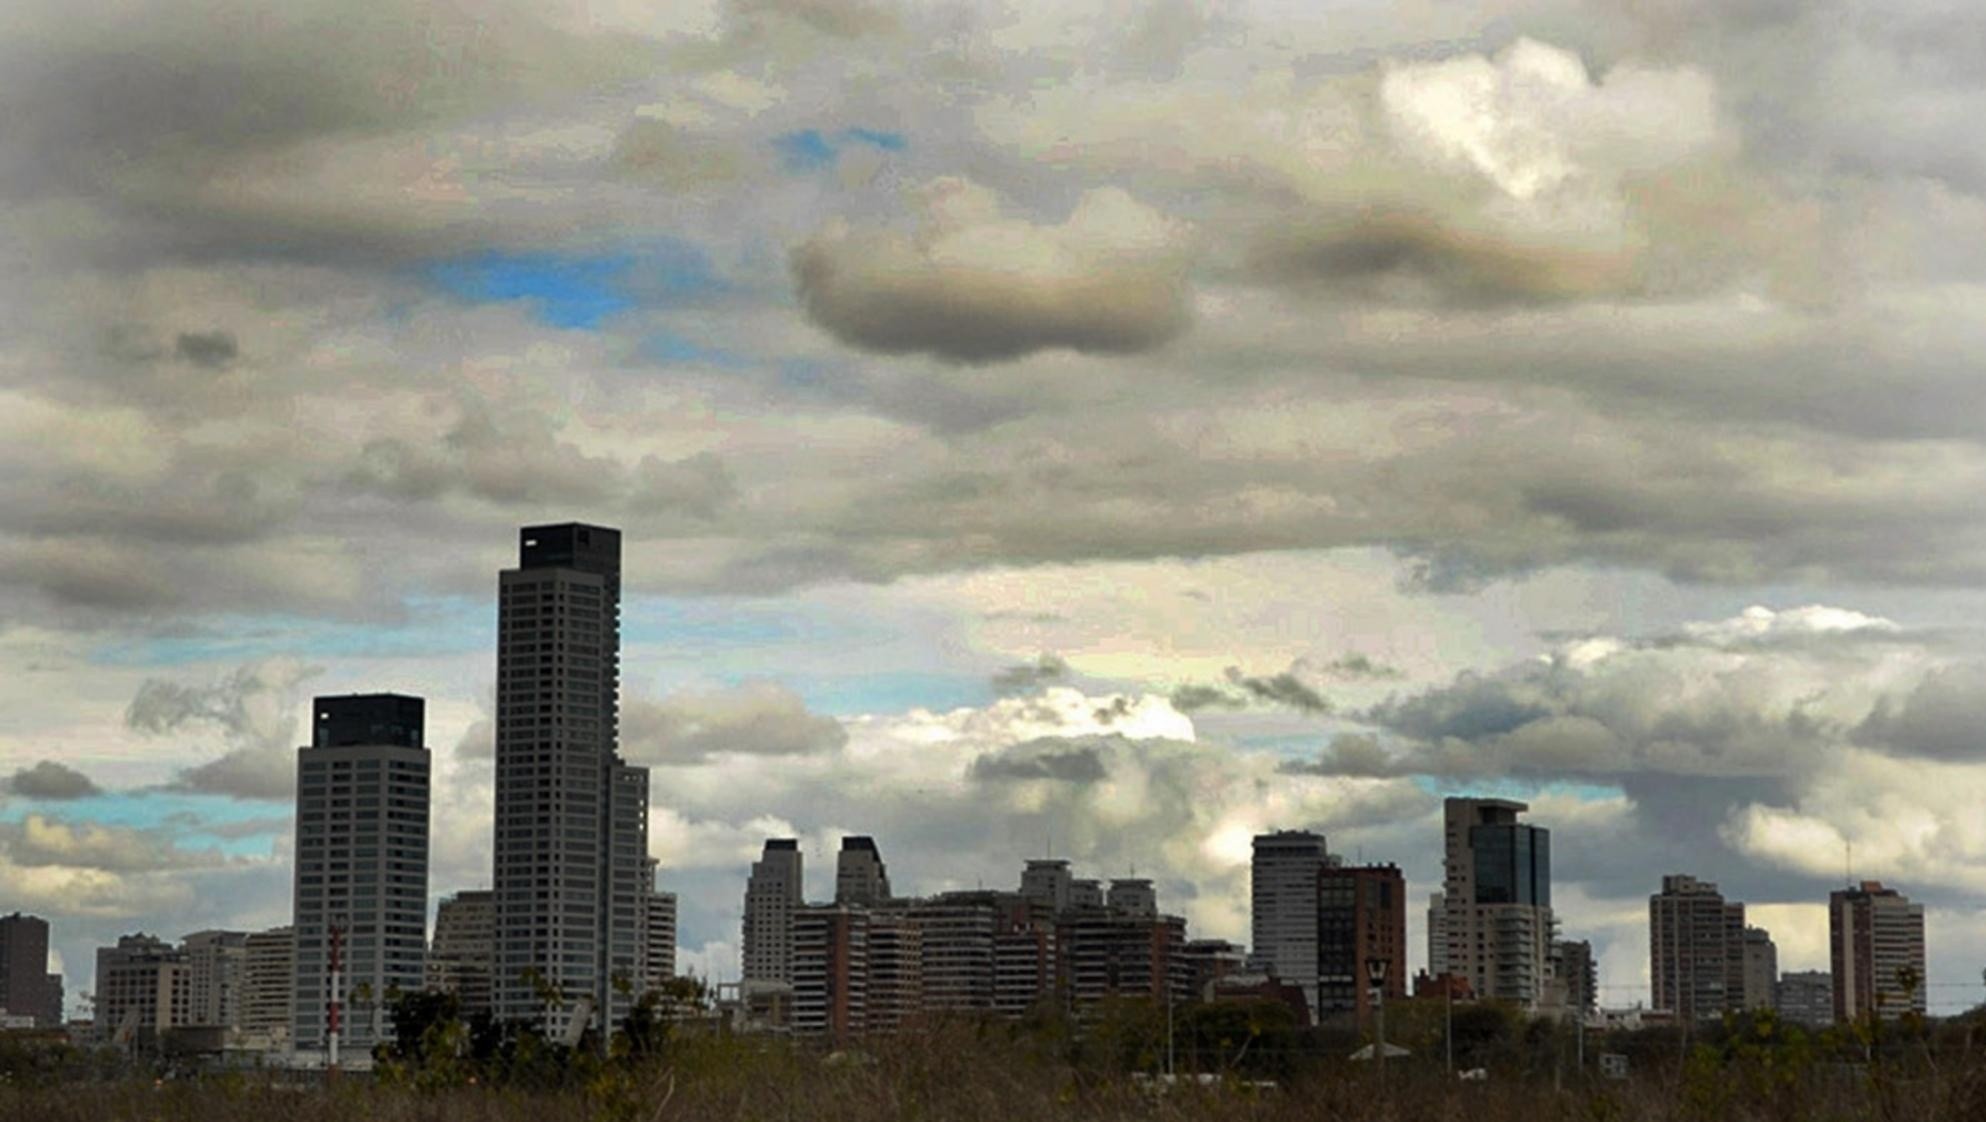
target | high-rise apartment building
[
  {"x": 859, "y": 875},
  {"x": 143, "y": 988},
  {"x": 830, "y": 970},
  {"x": 1496, "y": 900},
  {"x": 1806, "y": 997},
  {"x": 1761, "y": 970},
  {"x": 658, "y": 937},
  {"x": 462, "y": 958},
  {"x": 27, "y": 989},
  {"x": 268, "y": 984},
  {"x": 1361, "y": 916},
  {"x": 1578, "y": 973},
  {"x": 895, "y": 993},
  {"x": 1876, "y": 945},
  {"x": 772, "y": 894},
  {"x": 1283, "y": 907},
  {"x": 361, "y": 864},
  {"x": 1696, "y": 950},
  {"x": 571, "y": 815},
  {"x": 215, "y": 961},
  {"x": 1047, "y": 882}
]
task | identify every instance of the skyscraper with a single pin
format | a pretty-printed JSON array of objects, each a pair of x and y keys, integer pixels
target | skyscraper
[
  {"x": 1876, "y": 944},
  {"x": 1361, "y": 916},
  {"x": 1283, "y": 907},
  {"x": 771, "y": 896},
  {"x": 1696, "y": 950},
  {"x": 571, "y": 815},
  {"x": 26, "y": 986},
  {"x": 361, "y": 863},
  {"x": 1496, "y": 900},
  {"x": 859, "y": 875}
]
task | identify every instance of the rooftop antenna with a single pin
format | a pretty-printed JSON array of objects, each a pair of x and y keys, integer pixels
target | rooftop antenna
[{"x": 1848, "y": 861}]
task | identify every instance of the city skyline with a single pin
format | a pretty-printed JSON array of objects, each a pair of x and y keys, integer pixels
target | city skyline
[{"x": 1039, "y": 430}]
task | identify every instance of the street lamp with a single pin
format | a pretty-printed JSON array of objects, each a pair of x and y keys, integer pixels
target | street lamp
[{"x": 1375, "y": 972}]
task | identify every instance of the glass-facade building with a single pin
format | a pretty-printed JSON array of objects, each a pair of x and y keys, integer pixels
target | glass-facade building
[{"x": 1513, "y": 864}]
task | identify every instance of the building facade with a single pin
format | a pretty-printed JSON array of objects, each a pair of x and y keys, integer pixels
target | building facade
[
  {"x": 268, "y": 985},
  {"x": 1496, "y": 923},
  {"x": 1578, "y": 974},
  {"x": 1361, "y": 917},
  {"x": 658, "y": 938},
  {"x": 1696, "y": 950},
  {"x": 1806, "y": 997},
  {"x": 27, "y": 989},
  {"x": 571, "y": 816},
  {"x": 462, "y": 958},
  {"x": 830, "y": 970},
  {"x": 1282, "y": 893},
  {"x": 215, "y": 961},
  {"x": 859, "y": 874},
  {"x": 773, "y": 892},
  {"x": 1761, "y": 970},
  {"x": 361, "y": 864},
  {"x": 143, "y": 989},
  {"x": 1876, "y": 946}
]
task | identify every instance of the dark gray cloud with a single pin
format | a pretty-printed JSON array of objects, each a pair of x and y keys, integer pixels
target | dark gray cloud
[
  {"x": 48, "y": 779},
  {"x": 759, "y": 719},
  {"x": 1286, "y": 689},
  {"x": 1061, "y": 759},
  {"x": 1942, "y": 718},
  {"x": 211, "y": 349},
  {"x": 253, "y": 710},
  {"x": 1194, "y": 696},
  {"x": 1027, "y": 677}
]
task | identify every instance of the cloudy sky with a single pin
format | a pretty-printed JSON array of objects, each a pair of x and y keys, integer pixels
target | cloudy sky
[{"x": 1110, "y": 428}]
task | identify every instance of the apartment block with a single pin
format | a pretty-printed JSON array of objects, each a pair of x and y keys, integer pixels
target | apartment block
[
  {"x": 1876, "y": 946},
  {"x": 1283, "y": 907},
  {"x": 215, "y": 961},
  {"x": 1496, "y": 921},
  {"x": 1806, "y": 997},
  {"x": 859, "y": 874},
  {"x": 27, "y": 988},
  {"x": 462, "y": 958},
  {"x": 1761, "y": 969},
  {"x": 1696, "y": 949},
  {"x": 1361, "y": 916},
  {"x": 773, "y": 893},
  {"x": 267, "y": 1005},
  {"x": 143, "y": 989}
]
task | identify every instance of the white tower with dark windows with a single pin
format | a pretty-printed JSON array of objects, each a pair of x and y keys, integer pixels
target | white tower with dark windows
[
  {"x": 571, "y": 816},
  {"x": 1283, "y": 905}
]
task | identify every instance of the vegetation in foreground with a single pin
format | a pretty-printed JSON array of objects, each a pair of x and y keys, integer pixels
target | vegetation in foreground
[{"x": 1251, "y": 1064}]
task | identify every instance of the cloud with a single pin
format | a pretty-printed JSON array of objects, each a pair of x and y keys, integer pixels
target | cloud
[
  {"x": 47, "y": 779},
  {"x": 41, "y": 841},
  {"x": 1054, "y": 758},
  {"x": 1942, "y": 717},
  {"x": 975, "y": 285},
  {"x": 757, "y": 719},
  {"x": 253, "y": 708},
  {"x": 1027, "y": 677},
  {"x": 211, "y": 349},
  {"x": 1286, "y": 689}
]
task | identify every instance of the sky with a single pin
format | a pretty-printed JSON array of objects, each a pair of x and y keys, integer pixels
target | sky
[{"x": 1103, "y": 429}]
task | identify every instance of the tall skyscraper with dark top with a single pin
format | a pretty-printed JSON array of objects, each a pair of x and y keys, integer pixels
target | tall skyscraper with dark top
[
  {"x": 361, "y": 864},
  {"x": 571, "y": 816}
]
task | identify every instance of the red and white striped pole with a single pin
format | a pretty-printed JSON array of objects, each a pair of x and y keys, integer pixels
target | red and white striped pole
[{"x": 336, "y": 1007}]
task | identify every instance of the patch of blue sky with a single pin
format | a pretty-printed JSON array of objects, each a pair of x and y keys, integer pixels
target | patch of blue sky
[
  {"x": 812, "y": 149},
  {"x": 239, "y": 828},
  {"x": 433, "y": 625},
  {"x": 580, "y": 290},
  {"x": 1513, "y": 787}
]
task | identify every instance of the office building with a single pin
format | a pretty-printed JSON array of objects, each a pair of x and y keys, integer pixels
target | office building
[
  {"x": 1876, "y": 946},
  {"x": 268, "y": 985},
  {"x": 658, "y": 939},
  {"x": 1696, "y": 950},
  {"x": 1578, "y": 974},
  {"x": 1496, "y": 919},
  {"x": 859, "y": 875},
  {"x": 1283, "y": 907},
  {"x": 215, "y": 961},
  {"x": 1361, "y": 917},
  {"x": 27, "y": 989},
  {"x": 1806, "y": 997},
  {"x": 772, "y": 895},
  {"x": 143, "y": 989},
  {"x": 361, "y": 865},
  {"x": 571, "y": 815},
  {"x": 1761, "y": 970},
  {"x": 462, "y": 958}
]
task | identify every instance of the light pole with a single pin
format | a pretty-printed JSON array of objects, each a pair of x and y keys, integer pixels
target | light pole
[
  {"x": 1448, "y": 1021},
  {"x": 1375, "y": 971}
]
